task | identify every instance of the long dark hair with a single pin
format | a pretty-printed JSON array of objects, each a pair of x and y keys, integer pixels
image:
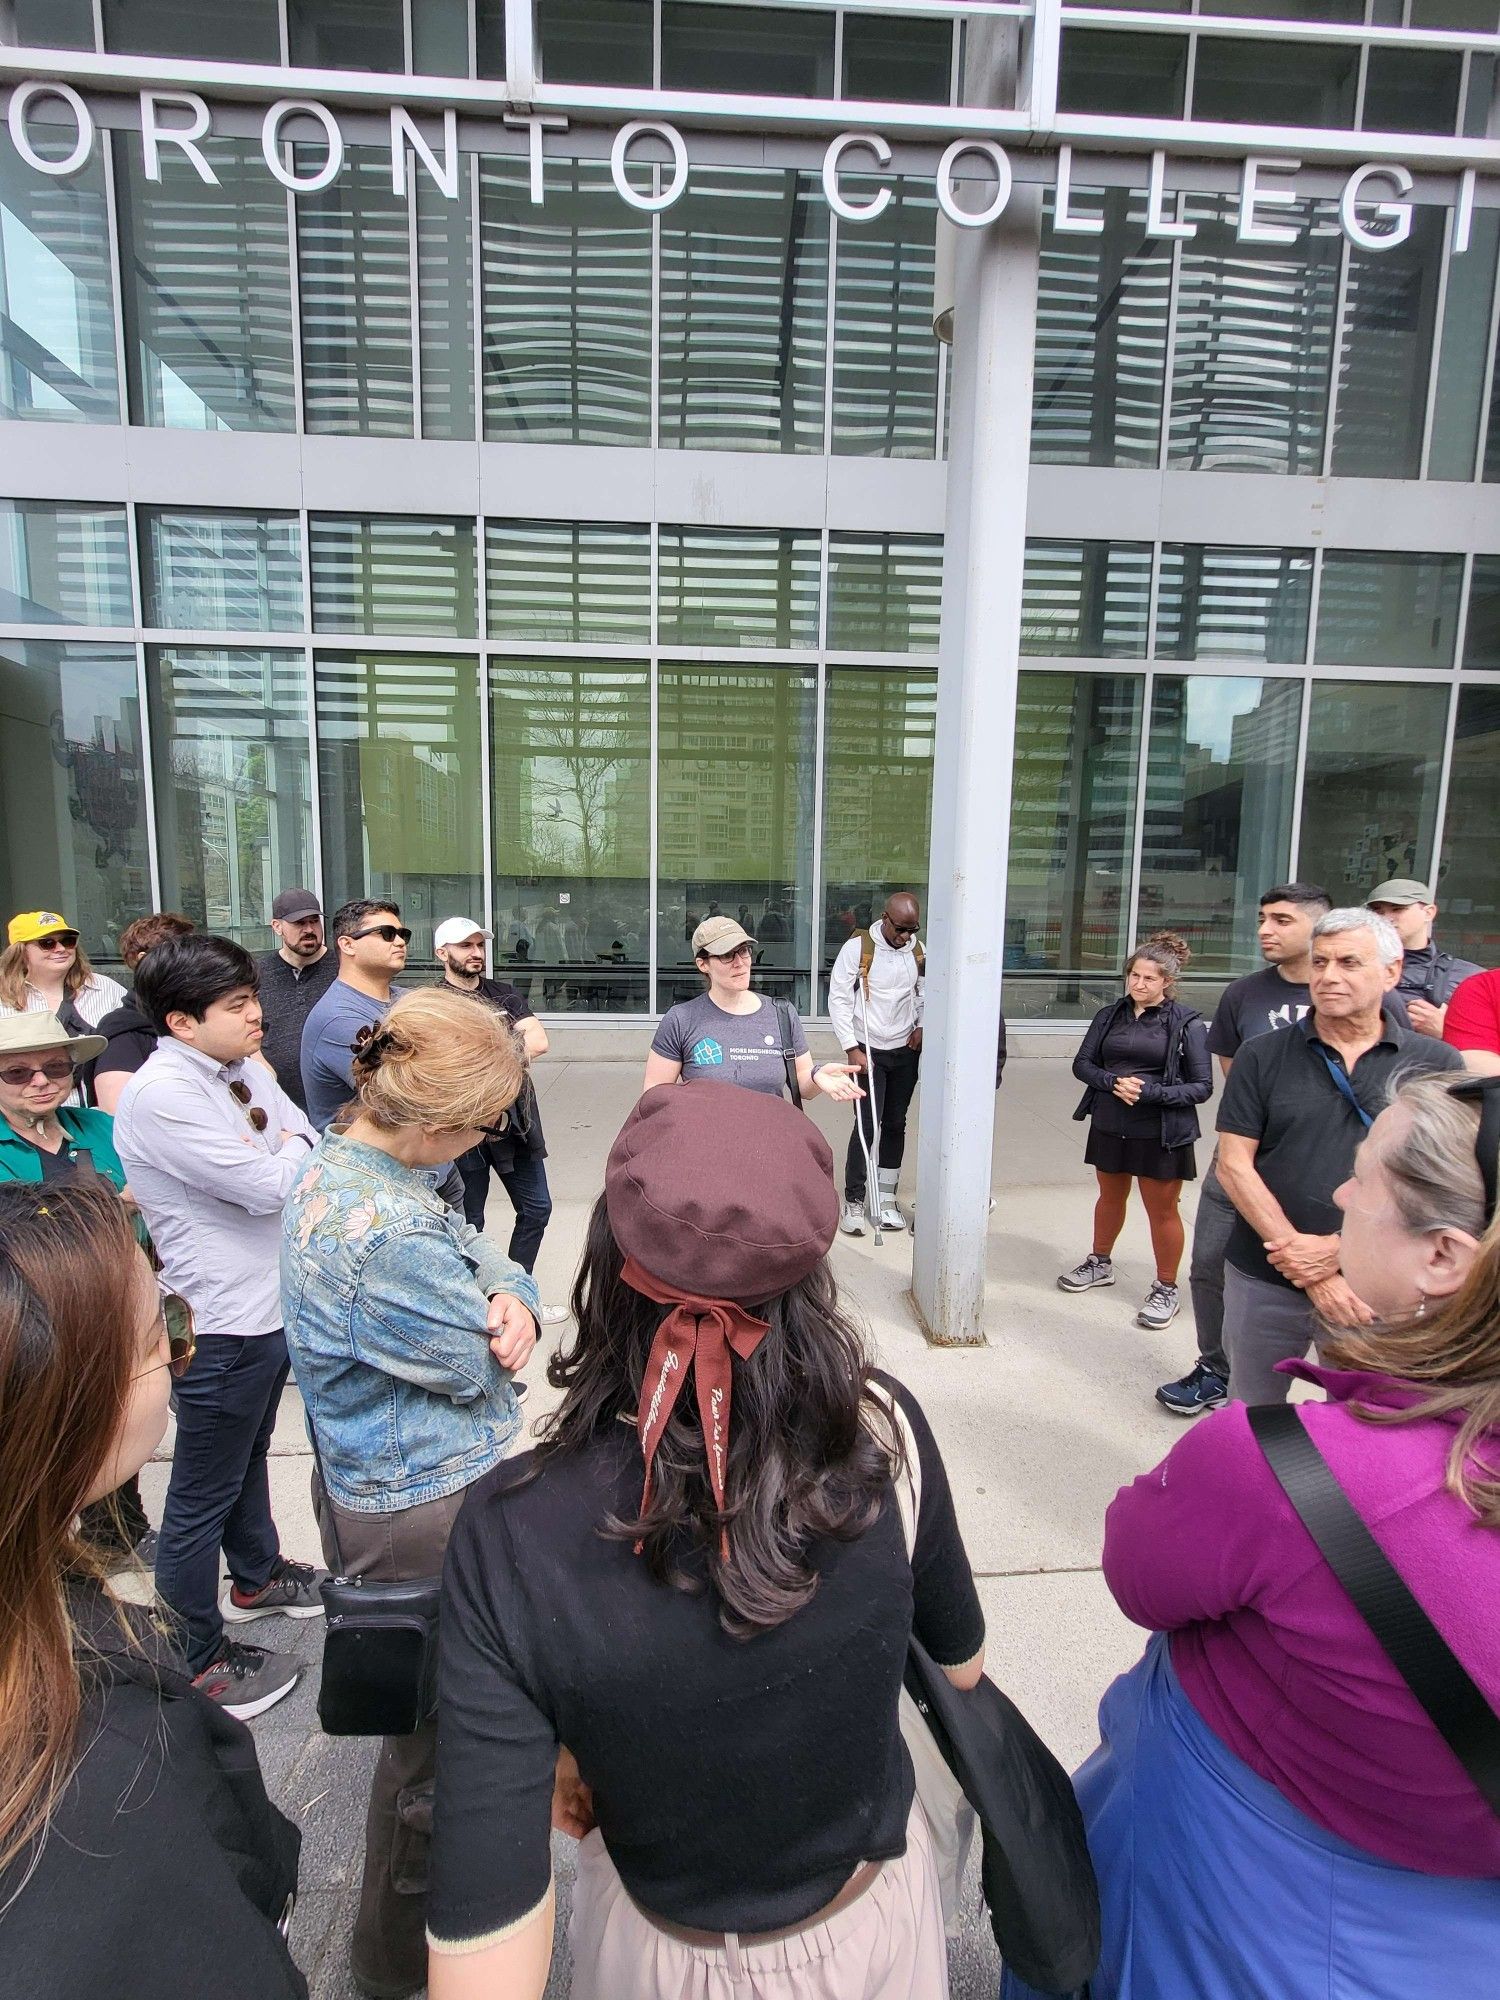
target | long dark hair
[{"x": 806, "y": 1452}]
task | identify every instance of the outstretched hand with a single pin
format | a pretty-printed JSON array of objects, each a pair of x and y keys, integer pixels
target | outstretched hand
[{"x": 840, "y": 1081}]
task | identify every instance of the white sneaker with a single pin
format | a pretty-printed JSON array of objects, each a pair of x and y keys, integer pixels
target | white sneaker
[
  {"x": 852, "y": 1218},
  {"x": 555, "y": 1315},
  {"x": 890, "y": 1216}
]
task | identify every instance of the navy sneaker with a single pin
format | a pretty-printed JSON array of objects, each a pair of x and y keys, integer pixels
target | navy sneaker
[{"x": 1199, "y": 1391}]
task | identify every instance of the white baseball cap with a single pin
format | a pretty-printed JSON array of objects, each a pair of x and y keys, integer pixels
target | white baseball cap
[{"x": 454, "y": 930}]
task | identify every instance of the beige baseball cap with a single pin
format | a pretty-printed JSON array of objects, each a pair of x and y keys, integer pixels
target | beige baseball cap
[
  {"x": 1400, "y": 889},
  {"x": 719, "y": 935}
]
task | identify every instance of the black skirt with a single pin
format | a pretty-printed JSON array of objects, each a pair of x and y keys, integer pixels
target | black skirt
[{"x": 1146, "y": 1159}]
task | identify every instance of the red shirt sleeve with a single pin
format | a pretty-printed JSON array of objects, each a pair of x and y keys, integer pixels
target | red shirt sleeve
[{"x": 1473, "y": 1020}]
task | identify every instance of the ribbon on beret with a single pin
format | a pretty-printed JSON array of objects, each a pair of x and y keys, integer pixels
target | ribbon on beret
[{"x": 699, "y": 1331}]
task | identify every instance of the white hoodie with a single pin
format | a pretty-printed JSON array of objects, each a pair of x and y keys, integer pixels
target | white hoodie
[{"x": 895, "y": 993}]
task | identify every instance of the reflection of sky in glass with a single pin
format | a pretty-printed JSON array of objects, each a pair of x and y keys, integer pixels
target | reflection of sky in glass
[
  {"x": 44, "y": 299},
  {"x": 1212, "y": 705},
  {"x": 97, "y": 686}
]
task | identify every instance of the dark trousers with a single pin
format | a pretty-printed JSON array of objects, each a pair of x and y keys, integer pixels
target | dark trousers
[
  {"x": 1212, "y": 1230},
  {"x": 524, "y": 1179},
  {"x": 388, "y": 1950},
  {"x": 891, "y": 1085},
  {"x": 112, "y": 1526},
  {"x": 219, "y": 1495}
]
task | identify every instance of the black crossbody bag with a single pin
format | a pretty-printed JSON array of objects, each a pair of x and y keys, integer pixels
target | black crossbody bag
[
  {"x": 1417, "y": 1650},
  {"x": 380, "y": 1646},
  {"x": 784, "y": 1022}
]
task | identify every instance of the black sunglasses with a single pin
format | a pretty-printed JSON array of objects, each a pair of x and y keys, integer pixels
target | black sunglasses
[
  {"x": 904, "y": 930},
  {"x": 1485, "y": 1091},
  {"x": 240, "y": 1092},
  {"x": 182, "y": 1339},
  {"x": 390, "y": 932},
  {"x": 65, "y": 939}
]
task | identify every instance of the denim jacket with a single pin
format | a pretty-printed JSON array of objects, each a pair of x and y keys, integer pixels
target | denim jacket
[{"x": 385, "y": 1293}]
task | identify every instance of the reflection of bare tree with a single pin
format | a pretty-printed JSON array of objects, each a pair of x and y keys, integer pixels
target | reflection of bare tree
[{"x": 578, "y": 735}]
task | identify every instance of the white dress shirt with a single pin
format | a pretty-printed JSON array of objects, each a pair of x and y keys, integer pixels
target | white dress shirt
[{"x": 209, "y": 1185}]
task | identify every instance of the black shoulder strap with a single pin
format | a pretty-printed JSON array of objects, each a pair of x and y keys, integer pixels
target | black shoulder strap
[
  {"x": 784, "y": 1022},
  {"x": 1418, "y": 1651}
]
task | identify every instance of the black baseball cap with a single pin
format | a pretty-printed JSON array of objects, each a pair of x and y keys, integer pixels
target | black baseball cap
[{"x": 292, "y": 903}]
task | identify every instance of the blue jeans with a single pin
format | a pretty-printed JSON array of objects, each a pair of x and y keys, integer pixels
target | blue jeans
[
  {"x": 219, "y": 1495},
  {"x": 525, "y": 1181}
]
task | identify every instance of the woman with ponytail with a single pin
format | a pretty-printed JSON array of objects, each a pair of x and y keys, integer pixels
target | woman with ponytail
[
  {"x": 1146, "y": 1068},
  {"x": 139, "y": 1855},
  {"x": 404, "y": 1327}
]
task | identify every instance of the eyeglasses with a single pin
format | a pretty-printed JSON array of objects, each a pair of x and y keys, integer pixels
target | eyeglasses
[
  {"x": 1485, "y": 1091},
  {"x": 390, "y": 932},
  {"x": 499, "y": 1129},
  {"x": 733, "y": 957},
  {"x": 176, "y": 1322},
  {"x": 58, "y": 941},
  {"x": 240, "y": 1092},
  {"x": 58, "y": 1069},
  {"x": 904, "y": 930}
]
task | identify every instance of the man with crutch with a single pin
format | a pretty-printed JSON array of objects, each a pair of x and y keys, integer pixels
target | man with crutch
[{"x": 875, "y": 1005}]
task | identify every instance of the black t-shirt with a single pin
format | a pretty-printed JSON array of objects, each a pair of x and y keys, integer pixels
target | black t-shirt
[
  {"x": 1281, "y": 1094},
  {"x": 131, "y": 1039},
  {"x": 1262, "y": 1002},
  {"x": 288, "y": 994},
  {"x": 523, "y": 1132},
  {"x": 737, "y": 1783}
]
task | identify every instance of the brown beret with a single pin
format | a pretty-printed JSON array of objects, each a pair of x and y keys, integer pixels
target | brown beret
[{"x": 723, "y": 1192}]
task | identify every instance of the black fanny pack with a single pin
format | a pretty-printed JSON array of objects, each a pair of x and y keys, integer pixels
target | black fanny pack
[{"x": 380, "y": 1646}]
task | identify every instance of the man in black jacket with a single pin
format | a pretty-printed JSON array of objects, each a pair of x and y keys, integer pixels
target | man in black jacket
[
  {"x": 1429, "y": 977},
  {"x": 292, "y": 979}
]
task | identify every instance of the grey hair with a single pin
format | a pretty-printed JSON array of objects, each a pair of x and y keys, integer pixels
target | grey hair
[
  {"x": 1430, "y": 1163},
  {"x": 1387, "y": 937}
]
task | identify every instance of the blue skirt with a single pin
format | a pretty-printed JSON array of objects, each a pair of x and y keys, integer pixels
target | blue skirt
[{"x": 1215, "y": 1888}]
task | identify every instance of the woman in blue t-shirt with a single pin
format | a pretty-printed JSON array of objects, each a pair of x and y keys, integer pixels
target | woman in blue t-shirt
[{"x": 729, "y": 1034}]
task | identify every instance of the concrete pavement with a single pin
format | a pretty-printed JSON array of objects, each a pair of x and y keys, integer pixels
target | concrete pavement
[{"x": 1038, "y": 1430}]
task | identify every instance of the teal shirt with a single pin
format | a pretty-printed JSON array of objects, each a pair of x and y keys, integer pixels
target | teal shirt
[{"x": 91, "y": 1132}]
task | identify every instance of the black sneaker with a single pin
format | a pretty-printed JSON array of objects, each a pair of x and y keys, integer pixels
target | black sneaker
[
  {"x": 291, "y": 1591},
  {"x": 247, "y": 1680},
  {"x": 1196, "y": 1392}
]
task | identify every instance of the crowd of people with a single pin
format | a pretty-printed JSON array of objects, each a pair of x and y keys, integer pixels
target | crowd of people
[{"x": 677, "y": 1626}]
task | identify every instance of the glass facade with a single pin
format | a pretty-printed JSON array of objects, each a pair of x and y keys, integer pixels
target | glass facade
[{"x": 531, "y": 578}]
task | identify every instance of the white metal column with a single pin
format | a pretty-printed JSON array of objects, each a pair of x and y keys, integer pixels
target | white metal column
[{"x": 994, "y": 339}]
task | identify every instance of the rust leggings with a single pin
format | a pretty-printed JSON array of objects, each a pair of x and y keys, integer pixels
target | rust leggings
[{"x": 1161, "y": 1200}]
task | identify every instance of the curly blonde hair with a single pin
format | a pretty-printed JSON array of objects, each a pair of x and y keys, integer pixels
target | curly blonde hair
[{"x": 440, "y": 1060}]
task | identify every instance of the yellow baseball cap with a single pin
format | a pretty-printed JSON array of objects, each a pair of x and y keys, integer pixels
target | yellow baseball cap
[{"x": 34, "y": 924}]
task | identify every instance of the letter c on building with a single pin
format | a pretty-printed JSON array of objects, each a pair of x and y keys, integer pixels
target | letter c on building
[{"x": 852, "y": 211}]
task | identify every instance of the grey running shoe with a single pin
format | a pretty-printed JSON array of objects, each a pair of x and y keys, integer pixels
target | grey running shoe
[
  {"x": 1083, "y": 1277},
  {"x": 1161, "y": 1307},
  {"x": 292, "y": 1591},
  {"x": 852, "y": 1218},
  {"x": 247, "y": 1680}
]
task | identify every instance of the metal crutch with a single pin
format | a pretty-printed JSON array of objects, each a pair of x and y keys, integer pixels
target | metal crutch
[{"x": 871, "y": 1145}]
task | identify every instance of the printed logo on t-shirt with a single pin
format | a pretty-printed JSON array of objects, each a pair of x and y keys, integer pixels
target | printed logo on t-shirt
[
  {"x": 707, "y": 1054},
  {"x": 1284, "y": 1016}
]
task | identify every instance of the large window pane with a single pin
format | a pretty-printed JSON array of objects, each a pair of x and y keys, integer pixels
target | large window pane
[
  {"x": 445, "y": 309},
  {"x": 63, "y": 565},
  {"x": 572, "y": 820},
  {"x": 208, "y": 295},
  {"x": 1389, "y": 318},
  {"x": 569, "y": 580},
  {"x": 735, "y": 814},
  {"x": 54, "y": 24},
  {"x": 893, "y": 61},
  {"x": 1087, "y": 600},
  {"x": 1219, "y": 785},
  {"x": 1233, "y": 603},
  {"x": 72, "y": 790},
  {"x": 1078, "y": 739},
  {"x": 744, "y": 312},
  {"x": 1230, "y": 84},
  {"x": 1411, "y": 90},
  {"x": 400, "y": 776},
  {"x": 1459, "y": 394},
  {"x": 885, "y": 355},
  {"x": 767, "y": 51},
  {"x": 877, "y": 797},
  {"x": 216, "y": 572},
  {"x": 1469, "y": 886},
  {"x": 57, "y": 325},
  {"x": 1377, "y": 610},
  {"x": 567, "y": 307},
  {"x": 1101, "y": 337},
  {"x": 354, "y": 284},
  {"x": 440, "y": 38},
  {"x": 1369, "y": 803},
  {"x": 1254, "y": 342},
  {"x": 249, "y": 31},
  {"x": 1482, "y": 629},
  {"x": 233, "y": 797},
  {"x": 885, "y": 593},
  {"x": 737, "y": 587},
  {"x": 349, "y": 34},
  {"x": 582, "y": 41},
  {"x": 1142, "y": 75},
  {"x": 392, "y": 573}
]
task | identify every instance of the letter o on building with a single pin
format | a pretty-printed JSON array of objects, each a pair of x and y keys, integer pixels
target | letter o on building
[
  {"x": 625, "y": 138},
  {"x": 999, "y": 159},
  {"x": 21, "y": 100},
  {"x": 270, "y": 144}
]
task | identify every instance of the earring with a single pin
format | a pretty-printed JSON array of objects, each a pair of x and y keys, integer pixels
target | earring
[{"x": 1421, "y": 1304}]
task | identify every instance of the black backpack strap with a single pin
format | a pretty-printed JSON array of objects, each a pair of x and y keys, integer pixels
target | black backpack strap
[
  {"x": 1420, "y": 1654},
  {"x": 784, "y": 1022}
]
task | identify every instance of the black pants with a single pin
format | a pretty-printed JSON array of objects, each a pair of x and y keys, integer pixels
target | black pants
[
  {"x": 524, "y": 1178},
  {"x": 112, "y": 1526},
  {"x": 891, "y": 1087},
  {"x": 219, "y": 1495}
]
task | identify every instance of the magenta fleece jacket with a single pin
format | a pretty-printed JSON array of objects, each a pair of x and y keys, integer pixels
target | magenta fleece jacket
[{"x": 1270, "y": 1651}]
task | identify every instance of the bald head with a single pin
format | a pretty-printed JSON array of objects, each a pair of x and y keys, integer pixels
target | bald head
[{"x": 901, "y": 918}]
